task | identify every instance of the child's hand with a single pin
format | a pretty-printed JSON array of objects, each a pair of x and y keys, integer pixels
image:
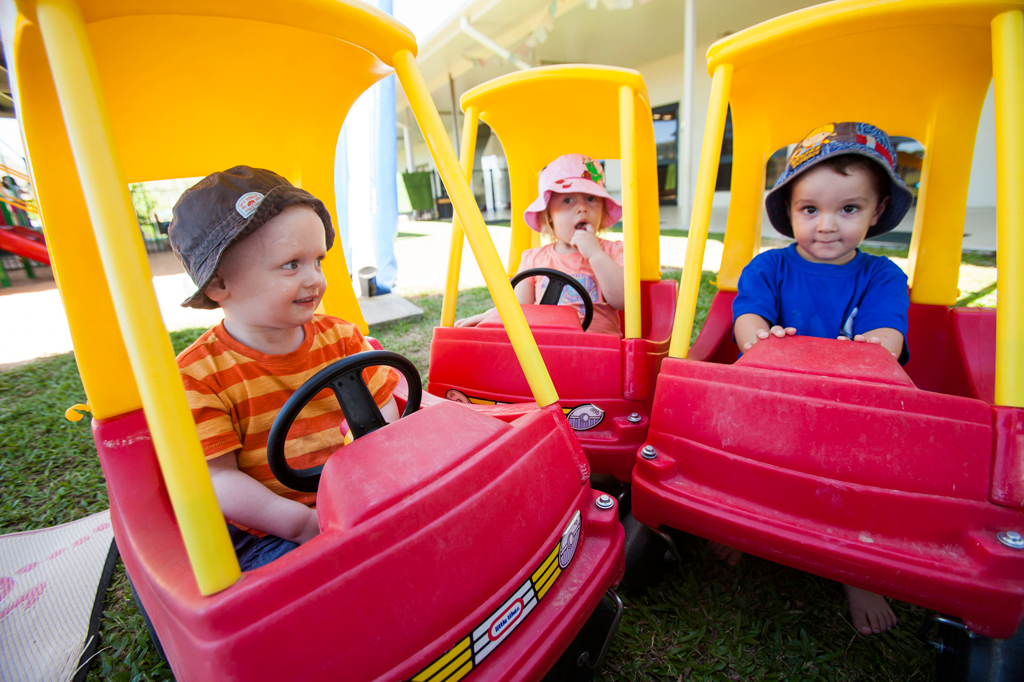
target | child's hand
[
  {"x": 586, "y": 242},
  {"x": 860, "y": 338},
  {"x": 762, "y": 334}
]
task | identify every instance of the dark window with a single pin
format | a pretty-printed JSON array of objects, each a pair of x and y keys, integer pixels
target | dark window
[
  {"x": 666, "y": 141},
  {"x": 724, "y": 181}
]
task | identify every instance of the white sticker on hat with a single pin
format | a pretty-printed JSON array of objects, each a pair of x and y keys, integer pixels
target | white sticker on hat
[{"x": 248, "y": 203}]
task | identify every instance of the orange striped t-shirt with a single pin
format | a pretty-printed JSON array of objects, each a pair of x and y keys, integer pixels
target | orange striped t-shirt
[{"x": 235, "y": 393}]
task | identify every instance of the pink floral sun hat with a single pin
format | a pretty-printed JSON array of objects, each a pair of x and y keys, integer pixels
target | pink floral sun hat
[{"x": 572, "y": 173}]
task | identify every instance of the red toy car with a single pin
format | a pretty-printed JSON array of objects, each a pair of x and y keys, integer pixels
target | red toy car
[
  {"x": 453, "y": 544},
  {"x": 830, "y": 457}
]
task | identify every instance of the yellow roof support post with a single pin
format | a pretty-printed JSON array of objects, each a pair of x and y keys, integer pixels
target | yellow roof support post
[
  {"x": 465, "y": 206},
  {"x": 631, "y": 212},
  {"x": 1008, "y": 77},
  {"x": 87, "y": 120},
  {"x": 451, "y": 286},
  {"x": 700, "y": 218}
]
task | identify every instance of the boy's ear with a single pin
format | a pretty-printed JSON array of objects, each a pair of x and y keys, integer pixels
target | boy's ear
[
  {"x": 879, "y": 210},
  {"x": 216, "y": 290}
]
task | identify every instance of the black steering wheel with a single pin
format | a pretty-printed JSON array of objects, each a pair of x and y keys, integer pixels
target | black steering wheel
[
  {"x": 345, "y": 378},
  {"x": 556, "y": 282}
]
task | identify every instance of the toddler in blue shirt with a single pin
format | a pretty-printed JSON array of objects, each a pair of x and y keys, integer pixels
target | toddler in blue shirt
[{"x": 839, "y": 188}]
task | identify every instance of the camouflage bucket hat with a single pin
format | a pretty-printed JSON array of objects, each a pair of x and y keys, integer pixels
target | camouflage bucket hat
[
  {"x": 831, "y": 140},
  {"x": 223, "y": 209}
]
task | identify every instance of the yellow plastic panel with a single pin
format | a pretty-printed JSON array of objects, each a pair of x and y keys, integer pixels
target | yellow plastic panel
[
  {"x": 914, "y": 68},
  {"x": 529, "y": 110},
  {"x": 1008, "y": 58},
  {"x": 631, "y": 211},
  {"x": 153, "y": 90},
  {"x": 149, "y": 348},
  {"x": 201, "y": 125},
  {"x": 351, "y": 21}
]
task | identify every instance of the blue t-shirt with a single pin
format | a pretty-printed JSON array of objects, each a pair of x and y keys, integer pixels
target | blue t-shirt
[{"x": 824, "y": 300}]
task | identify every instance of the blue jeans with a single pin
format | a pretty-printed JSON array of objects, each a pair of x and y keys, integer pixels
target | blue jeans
[{"x": 254, "y": 552}]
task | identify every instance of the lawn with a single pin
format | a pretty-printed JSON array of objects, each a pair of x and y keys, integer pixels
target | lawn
[{"x": 705, "y": 621}]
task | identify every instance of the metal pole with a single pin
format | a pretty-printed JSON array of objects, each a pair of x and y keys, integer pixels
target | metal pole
[
  {"x": 455, "y": 114},
  {"x": 494, "y": 47},
  {"x": 686, "y": 153}
]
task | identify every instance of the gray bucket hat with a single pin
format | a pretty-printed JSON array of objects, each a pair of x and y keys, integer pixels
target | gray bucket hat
[
  {"x": 223, "y": 209},
  {"x": 834, "y": 139}
]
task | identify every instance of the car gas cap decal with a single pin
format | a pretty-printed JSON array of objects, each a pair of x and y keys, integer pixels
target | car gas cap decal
[
  {"x": 457, "y": 396},
  {"x": 585, "y": 417}
]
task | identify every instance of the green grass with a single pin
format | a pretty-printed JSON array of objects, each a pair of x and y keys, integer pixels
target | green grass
[{"x": 759, "y": 621}]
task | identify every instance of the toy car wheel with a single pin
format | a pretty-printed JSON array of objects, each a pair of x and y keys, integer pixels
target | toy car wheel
[
  {"x": 345, "y": 379},
  {"x": 963, "y": 656},
  {"x": 149, "y": 624},
  {"x": 556, "y": 282},
  {"x": 649, "y": 554},
  {"x": 588, "y": 649}
]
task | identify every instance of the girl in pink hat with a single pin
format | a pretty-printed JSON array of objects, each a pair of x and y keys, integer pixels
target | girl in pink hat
[{"x": 571, "y": 207}]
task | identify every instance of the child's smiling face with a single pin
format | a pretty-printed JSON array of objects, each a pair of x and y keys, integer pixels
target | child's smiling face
[
  {"x": 574, "y": 211},
  {"x": 831, "y": 213},
  {"x": 272, "y": 279}
]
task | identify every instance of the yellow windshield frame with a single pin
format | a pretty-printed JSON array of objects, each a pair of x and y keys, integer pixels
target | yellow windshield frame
[
  {"x": 84, "y": 149},
  {"x": 793, "y": 73},
  {"x": 615, "y": 124}
]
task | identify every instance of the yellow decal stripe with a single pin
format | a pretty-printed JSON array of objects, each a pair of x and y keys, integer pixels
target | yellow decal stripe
[
  {"x": 548, "y": 580},
  {"x": 461, "y": 672},
  {"x": 545, "y": 565},
  {"x": 459, "y": 653},
  {"x": 481, "y": 401}
]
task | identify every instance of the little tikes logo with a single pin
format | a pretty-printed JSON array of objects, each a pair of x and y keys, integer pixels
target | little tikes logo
[
  {"x": 248, "y": 203},
  {"x": 505, "y": 620}
]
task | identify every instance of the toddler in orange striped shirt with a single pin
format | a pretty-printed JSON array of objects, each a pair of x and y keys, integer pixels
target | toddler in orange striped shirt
[{"x": 252, "y": 242}]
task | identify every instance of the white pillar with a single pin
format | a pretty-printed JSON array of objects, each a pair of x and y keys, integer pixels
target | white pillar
[
  {"x": 684, "y": 190},
  {"x": 410, "y": 162}
]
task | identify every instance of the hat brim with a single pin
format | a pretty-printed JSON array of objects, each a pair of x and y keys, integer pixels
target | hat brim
[
  {"x": 900, "y": 200},
  {"x": 275, "y": 201},
  {"x": 612, "y": 208}
]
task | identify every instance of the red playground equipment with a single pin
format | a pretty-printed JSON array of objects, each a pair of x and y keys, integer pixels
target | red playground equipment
[
  {"x": 606, "y": 383},
  {"x": 454, "y": 544},
  {"x": 826, "y": 456},
  {"x": 24, "y": 242}
]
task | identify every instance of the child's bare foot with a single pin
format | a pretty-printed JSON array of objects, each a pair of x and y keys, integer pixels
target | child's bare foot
[
  {"x": 870, "y": 612},
  {"x": 727, "y": 554}
]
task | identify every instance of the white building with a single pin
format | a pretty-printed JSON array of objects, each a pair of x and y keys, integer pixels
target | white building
[{"x": 484, "y": 39}]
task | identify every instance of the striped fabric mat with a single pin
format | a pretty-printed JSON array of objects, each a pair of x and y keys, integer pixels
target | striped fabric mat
[{"x": 52, "y": 585}]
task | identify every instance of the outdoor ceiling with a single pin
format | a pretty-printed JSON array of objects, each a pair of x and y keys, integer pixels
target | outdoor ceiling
[{"x": 628, "y": 38}]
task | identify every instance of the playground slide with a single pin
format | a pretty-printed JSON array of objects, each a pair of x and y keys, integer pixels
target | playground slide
[{"x": 24, "y": 242}]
